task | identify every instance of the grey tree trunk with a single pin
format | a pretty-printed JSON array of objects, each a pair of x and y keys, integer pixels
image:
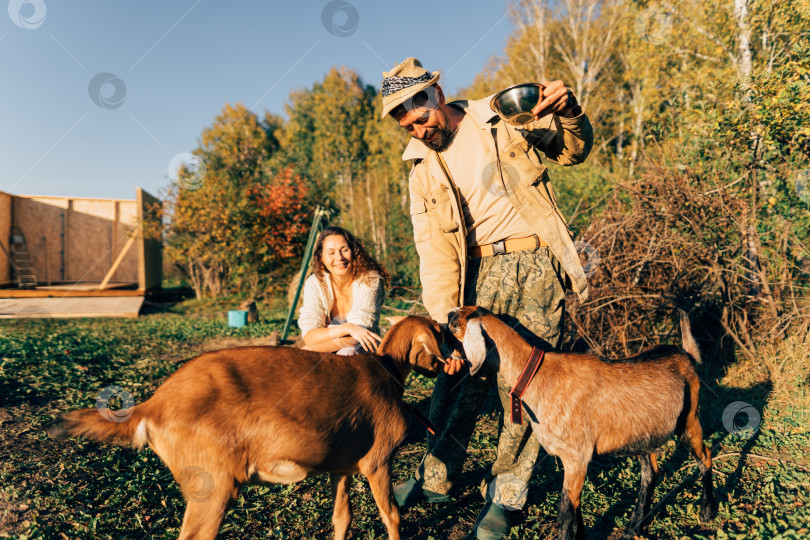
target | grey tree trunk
[{"x": 638, "y": 141}]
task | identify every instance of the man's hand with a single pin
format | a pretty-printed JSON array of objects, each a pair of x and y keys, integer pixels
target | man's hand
[
  {"x": 557, "y": 99},
  {"x": 453, "y": 365}
]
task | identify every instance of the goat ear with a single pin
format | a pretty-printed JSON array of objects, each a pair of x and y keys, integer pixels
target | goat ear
[
  {"x": 430, "y": 356},
  {"x": 475, "y": 348},
  {"x": 429, "y": 342}
]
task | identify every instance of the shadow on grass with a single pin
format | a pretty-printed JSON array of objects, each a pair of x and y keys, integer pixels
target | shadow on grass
[
  {"x": 15, "y": 393},
  {"x": 166, "y": 300}
]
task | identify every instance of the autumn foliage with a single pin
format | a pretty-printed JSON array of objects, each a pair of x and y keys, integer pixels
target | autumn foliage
[
  {"x": 696, "y": 193},
  {"x": 237, "y": 228}
]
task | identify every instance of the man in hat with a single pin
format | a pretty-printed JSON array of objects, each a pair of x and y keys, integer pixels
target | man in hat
[{"x": 488, "y": 232}]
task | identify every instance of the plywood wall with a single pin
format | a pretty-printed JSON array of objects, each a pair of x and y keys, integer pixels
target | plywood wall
[
  {"x": 76, "y": 240},
  {"x": 97, "y": 231},
  {"x": 40, "y": 220},
  {"x": 5, "y": 232}
]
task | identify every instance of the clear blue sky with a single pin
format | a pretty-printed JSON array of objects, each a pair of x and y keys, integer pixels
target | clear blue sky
[{"x": 181, "y": 61}]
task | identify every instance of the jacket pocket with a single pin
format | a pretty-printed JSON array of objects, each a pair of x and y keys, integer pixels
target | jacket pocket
[
  {"x": 439, "y": 205},
  {"x": 421, "y": 221},
  {"x": 520, "y": 157},
  {"x": 526, "y": 174}
]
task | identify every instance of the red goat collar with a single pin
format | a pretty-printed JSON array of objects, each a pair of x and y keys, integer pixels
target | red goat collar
[{"x": 526, "y": 376}]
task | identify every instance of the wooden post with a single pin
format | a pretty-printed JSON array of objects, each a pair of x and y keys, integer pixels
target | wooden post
[
  {"x": 117, "y": 262},
  {"x": 66, "y": 270},
  {"x": 45, "y": 258},
  {"x": 150, "y": 258},
  {"x": 317, "y": 226}
]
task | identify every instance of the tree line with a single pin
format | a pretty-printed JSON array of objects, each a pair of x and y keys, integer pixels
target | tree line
[{"x": 696, "y": 194}]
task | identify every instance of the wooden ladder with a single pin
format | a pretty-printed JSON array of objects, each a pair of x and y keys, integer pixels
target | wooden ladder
[{"x": 21, "y": 260}]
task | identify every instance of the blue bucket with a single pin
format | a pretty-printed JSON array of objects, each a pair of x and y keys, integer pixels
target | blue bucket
[{"x": 237, "y": 318}]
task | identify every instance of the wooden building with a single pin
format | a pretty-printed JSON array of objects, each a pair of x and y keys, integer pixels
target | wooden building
[{"x": 71, "y": 256}]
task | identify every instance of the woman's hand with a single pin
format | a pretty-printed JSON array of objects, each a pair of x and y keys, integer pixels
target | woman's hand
[{"x": 363, "y": 335}]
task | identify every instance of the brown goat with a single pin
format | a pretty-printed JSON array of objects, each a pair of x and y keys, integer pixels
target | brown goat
[
  {"x": 275, "y": 415},
  {"x": 579, "y": 404}
]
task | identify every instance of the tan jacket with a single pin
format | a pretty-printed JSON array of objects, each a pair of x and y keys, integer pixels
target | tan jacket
[{"x": 438, "y": 222}]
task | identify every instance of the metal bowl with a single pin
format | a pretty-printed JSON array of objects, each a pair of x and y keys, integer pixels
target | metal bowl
[{"x": 515, "y": 103}]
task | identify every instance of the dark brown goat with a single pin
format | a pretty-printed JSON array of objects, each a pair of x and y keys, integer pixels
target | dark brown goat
[
  {"x": 276, "y": 415},
  {"x": 579, "y": 404}
]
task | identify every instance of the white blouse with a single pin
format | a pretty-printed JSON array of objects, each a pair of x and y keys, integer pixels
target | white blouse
[{"x": 368, "y": 293}]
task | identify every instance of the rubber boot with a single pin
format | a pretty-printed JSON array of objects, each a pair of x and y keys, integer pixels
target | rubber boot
[
  {"x": 493, "y": 522},
  {"x": 410, "y": 493}
]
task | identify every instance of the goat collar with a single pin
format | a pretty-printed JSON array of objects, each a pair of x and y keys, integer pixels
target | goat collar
[
  {"x": 393, "y": 370},
  {"x": 526, "y": 376}
]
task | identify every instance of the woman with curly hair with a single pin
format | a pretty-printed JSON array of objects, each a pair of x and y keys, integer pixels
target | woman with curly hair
[{"x": 342, "y": 297}]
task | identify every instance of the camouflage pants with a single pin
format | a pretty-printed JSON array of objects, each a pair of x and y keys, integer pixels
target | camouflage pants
[{"x": 525, "y": 290}]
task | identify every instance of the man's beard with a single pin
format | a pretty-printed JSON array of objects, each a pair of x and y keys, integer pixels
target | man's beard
[{"x": 441, "y": 140}]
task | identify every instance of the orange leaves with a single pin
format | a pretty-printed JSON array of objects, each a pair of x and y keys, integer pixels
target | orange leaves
[
  {"x": 279, "y": 214},
  {"x": 239, "y": 226}
]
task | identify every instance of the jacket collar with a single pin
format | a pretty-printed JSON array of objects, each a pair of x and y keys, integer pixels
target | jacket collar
[{"x": 478, "y": 111}]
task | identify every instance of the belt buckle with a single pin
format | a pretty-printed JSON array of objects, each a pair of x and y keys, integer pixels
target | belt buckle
[{"x": 499, "y": 247}]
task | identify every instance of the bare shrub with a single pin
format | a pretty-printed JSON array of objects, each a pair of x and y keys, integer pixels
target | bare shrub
[{"x": 674, "y": 239}]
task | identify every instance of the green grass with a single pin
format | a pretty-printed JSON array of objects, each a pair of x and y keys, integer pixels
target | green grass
[{"x": 81, "y": 489}]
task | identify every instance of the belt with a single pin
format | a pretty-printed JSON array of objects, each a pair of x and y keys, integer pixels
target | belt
[{"x": 507, "y": 246}]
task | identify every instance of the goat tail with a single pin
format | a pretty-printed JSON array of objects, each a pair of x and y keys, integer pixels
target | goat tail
[
  {"x": 689, "y": 343},
  {"x": 123, "y": 426}
]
